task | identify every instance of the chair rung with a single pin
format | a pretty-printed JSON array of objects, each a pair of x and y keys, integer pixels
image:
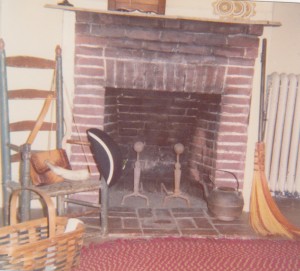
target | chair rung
[
  {"x": 14, "y": 147},
  {"x": 29, "y": 62},
  {"x": 68, "y": 187},
  {"x": 27, "y": 125},
  {"x": 83, "y": 203},
  {"x": 29, "y": 94}
]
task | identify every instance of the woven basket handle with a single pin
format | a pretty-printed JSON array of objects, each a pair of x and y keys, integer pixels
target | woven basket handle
[{"x": 51, "y": 215}]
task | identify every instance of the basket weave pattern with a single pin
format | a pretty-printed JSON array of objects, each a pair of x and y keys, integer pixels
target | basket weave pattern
[{"x": 40, "y": 244}]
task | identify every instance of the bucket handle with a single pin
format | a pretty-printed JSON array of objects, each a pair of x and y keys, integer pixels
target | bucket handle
[{"x": 226, "y": 171}]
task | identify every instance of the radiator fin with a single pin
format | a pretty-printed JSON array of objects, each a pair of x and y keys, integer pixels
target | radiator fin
[{"x": 282, "y": 133}]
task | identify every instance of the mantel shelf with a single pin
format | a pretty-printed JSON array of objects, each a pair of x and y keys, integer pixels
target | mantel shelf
[{"x": 170, "y": 17}]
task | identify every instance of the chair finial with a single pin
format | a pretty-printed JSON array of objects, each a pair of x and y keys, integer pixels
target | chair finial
[
  {"x": 2, "y": 44},
  {"x": 58, "y": 50}
]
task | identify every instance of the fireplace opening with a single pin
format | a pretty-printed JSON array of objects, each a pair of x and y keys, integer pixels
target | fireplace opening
[{"x": 161, "y": 119}]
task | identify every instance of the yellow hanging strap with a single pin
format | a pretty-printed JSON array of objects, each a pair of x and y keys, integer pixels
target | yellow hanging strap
[
  {"x": 43, "y": 113},
  {"x": 40, "y": 120}
]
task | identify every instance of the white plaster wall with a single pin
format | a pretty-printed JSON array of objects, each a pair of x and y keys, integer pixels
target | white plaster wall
[
  {"x": 29, "y": 28},
  {"x": 1, "y": 23},
  {"x": 283, "y": 55},
  {"x": 284, "y": 45},
  {"x": 1, "y": 17}
]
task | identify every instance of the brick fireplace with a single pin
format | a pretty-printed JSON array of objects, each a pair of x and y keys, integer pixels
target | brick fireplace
[{"x": 164, "y": 81}]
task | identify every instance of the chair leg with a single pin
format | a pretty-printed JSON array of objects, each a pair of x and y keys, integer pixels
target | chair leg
[
  {"x": 104, "y": 207},
  {"x": 60, "y": 200},
  {"x": 25, "y": 182}
]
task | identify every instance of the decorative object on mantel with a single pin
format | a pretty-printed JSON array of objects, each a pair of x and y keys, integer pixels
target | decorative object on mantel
[
  {"x": 65, "y": 3},
  {"x": 145, "y": 6},
  {"x": 265, "y": 23},
  {"x": 232, "y": 9}
]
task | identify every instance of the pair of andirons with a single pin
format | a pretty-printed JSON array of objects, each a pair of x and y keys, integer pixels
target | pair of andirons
[{"x": 138, "y": 147}]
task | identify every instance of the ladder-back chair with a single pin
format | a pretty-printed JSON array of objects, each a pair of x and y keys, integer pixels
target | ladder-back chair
[{"x": 15, "y": 152}]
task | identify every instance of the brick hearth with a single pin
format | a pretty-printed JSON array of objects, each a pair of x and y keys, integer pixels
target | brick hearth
[{"x": 209, "y": 65}]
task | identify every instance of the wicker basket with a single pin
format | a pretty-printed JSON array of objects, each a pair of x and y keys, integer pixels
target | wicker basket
[{"x": 40, "y": 244}]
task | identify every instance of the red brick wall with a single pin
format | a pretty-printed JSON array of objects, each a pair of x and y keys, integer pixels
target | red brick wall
[{"x": 170, "y": 56}]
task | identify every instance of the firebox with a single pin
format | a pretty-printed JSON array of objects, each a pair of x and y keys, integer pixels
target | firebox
[{"x": 161, "y": 119}]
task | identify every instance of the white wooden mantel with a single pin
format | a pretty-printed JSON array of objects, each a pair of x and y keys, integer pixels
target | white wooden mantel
[{"x": 170, "y": 17}]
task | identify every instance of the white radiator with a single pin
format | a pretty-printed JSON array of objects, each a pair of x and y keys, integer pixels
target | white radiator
[{"x": 282, "y": 134}]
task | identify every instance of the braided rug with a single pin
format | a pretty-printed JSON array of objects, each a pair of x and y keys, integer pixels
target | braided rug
[{"x": 191, "y": 254}]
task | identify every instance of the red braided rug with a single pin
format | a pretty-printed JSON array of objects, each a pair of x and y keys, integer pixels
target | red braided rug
[{"x": 191, "y": 254}]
